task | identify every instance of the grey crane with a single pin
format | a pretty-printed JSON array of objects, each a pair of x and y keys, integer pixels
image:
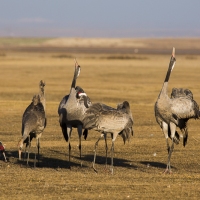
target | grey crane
[
  {"x": 33, "y": 122},
  {"x": 2, "y": 150},
  {"x": 105, "y": 119},
  {"x": 174, "y": 111},
  {"x": 71, "y": 110}
]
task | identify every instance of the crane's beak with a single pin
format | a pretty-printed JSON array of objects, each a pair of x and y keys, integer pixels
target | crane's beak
[
  {"x": 76, "y": 63},
  {"x": 173, "y": 59},
  {"x": 173, "y": 52}
]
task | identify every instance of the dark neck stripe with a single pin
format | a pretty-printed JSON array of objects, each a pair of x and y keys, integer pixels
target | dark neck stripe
[{"x": 169, "y": 69}]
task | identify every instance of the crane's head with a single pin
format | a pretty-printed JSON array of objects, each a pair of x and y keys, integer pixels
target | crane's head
[
  {"x": 123, "y": 105},
  {"x": 42, "y": 84},
  {"x": 2, "y": 148},
  {"x": 79, "y": 92},
  {"x": 77, "y": 68}
]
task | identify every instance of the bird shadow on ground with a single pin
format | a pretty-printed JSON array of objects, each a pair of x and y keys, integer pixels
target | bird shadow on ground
[
  {"x": 155, "y": 164},
  {"x": 10, "y": 155},
  {"x": 46, "y": 162},
  {"x": 118, "y": 162},
  {"x": 54, "y": 163}
]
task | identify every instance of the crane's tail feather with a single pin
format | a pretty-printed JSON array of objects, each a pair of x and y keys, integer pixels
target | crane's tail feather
[
  {"x": 85, "y": 133},
  {"x": 64, "y": 131},
  {"x": 126, "y": 134},
  {"x": 185, "y": 140},
  {"x": 197, "y": 111},
  {"x": 176, "y": 136},
  {"x": 89, "y": 122},
  {"x": 185, "y": 135}
]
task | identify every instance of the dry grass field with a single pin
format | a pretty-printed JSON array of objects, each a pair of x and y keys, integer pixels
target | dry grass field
[{"x": 109, "y": 78}]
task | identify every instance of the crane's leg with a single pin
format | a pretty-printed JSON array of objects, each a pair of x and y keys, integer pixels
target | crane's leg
[
  {"x": 69, "y": 130},
  {"x": 165, "y": 131},
  {"x": 95, "y": 152},
  {"x": 106, "y": 147},
  {"x": 24, "y": 153},
  {"x": 35, "y": 155},
  {"x": 168, "y": 169},
  {"x": 4, "y": 156},
  {"x": 79, "y": 135},
  {"x": 29, "y": 145},
  {"x": 112, "y": 153},
  {"x": 170, "y": 149},
  {"x": 20, "y": 145},
  {"x": 38, "y": 148}
]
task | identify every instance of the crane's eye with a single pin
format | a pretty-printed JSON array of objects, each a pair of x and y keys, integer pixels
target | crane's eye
[{"x": 78, "y": 95}]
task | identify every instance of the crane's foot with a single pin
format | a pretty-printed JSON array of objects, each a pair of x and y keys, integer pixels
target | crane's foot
[
  {"x": 167, "y": 171},
  {"x": 4, "y": 155},
  {"x": 94, "y": 168},
  {"x": 27, "y": 165},
  {"x": 106, "y": 168},
  {"x": 111, "y": 171}
]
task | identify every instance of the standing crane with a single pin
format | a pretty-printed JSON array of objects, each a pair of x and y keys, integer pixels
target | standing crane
[
  {"x": 174, "y": 111},
  {"x": 105, "y": 119},
  {"x": 71, "y": 110},
  {"x": 33, "y": 122}
]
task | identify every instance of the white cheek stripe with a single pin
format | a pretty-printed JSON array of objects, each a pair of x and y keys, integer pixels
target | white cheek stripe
[
  {"x": 82, "y": 94},
  {"x": 173, "y": 66}
]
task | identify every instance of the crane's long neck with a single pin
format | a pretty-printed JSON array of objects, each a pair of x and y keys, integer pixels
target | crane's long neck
[
  {"x": 42, "y": 96},
  {"x": 76, "y": 74},
  {"x": 165, "y": 84},
  {"x": 74, "y": 82}
]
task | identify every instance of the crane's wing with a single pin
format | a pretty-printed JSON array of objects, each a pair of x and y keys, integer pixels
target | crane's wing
[
  {"x": 184, "y": 108},
  {"x": 34, "y": 118},
  {"x": 62, "y": 104},
  {"x": 105, "y": 119},
  {"x": 181, "y": 92}
]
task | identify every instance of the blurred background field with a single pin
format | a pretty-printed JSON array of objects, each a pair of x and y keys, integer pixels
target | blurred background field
[{"x": 67, "y": 46}]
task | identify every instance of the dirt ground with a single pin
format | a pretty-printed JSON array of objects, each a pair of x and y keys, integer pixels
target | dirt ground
[{"x": 138, "y": 165}]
